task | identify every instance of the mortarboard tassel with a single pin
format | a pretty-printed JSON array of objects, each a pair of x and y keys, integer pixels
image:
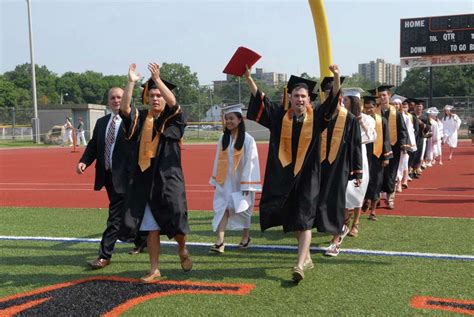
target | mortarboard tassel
[
  {"x": 145, "y": 94},
  {"x": 285, "y": 98},
  {"x": 223, "y": 120}
]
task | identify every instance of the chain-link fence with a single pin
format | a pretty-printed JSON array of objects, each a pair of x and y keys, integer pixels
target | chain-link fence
[
  {"x": 463, "y": 107},
  {"x": 205, "y": 122},
  {"x": 15, "y": 124}
]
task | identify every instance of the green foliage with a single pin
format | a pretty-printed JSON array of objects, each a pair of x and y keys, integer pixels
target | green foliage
[
  {"x": 357, "y": 80},
  {"x": 447, "y": 81}
]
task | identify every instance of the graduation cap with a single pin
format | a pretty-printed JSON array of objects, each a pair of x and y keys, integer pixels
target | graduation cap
[
  {"x": 150, "y": 84},
  {"x": 232, "y": 108},
  {"x": 354, "y": 91},
  {"x": 370, "y": 100},
  {"x": 432, "y": 110},
  {"x": 242, "y": 56},
  {"x": 382, "y": 88},
  {"x": 327, "y": 82},
  {"x": 295, "y": 81},
  {"x": 416, "y": 101},
  {"x": 398, "y": 98},
  {"x": 373, "y": 92}
]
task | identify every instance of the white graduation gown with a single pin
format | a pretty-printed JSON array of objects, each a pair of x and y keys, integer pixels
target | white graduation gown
[
  {"x": 404, "y": 157},
  {"x": 451, "y": 126},
  {"x": 245, "y": 178},
  {"x": 355, "y": 195}
]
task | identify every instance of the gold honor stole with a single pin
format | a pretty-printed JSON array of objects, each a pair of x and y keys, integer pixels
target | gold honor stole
[
  {"x": 147, "y": 149},
  {"x": 378, "y": 144},
  {"x": 222, "y": 161},
  {"x": 306, "y": 135},
  {"x": 392, "y": 125},
  {"x": 336, "y": 138}
]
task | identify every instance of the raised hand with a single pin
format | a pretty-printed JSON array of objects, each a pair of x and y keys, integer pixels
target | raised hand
[
  {"x": 248, "y": 71},
  {"x": 154, "y": 69},
  {"x": 132, "y": 75},
  {"x": 334, "y": 69}
]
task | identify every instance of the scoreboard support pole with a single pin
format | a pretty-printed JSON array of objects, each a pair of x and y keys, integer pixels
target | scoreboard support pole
[{"x": 430, "y": 101}]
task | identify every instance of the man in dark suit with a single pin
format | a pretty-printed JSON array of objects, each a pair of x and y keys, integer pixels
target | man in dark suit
[{"x": 109, "y": 148}]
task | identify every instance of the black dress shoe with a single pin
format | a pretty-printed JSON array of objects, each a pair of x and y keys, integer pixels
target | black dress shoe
[{"x": 99, "y": 263}]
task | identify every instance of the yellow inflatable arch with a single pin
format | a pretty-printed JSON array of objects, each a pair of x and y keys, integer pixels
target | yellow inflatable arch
[{"x": 322, "y": 37}]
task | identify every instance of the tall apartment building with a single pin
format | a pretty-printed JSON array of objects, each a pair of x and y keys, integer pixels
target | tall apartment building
[
  {"x": 379, "y": 71},
  {"x": 270, "y": 78}
]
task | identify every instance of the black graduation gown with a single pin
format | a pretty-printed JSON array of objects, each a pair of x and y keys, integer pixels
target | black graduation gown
[
  {"x": 390, "y": 172},
  {"x": 375, "y": 163},
  {"x": 423, "y": 130},
  {"x": 288, "y": 200},
  {"x": 162, "y": 184},
  {"x": 334, "y": 177}
]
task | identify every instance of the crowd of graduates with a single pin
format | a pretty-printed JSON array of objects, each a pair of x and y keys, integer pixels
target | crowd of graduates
[{"x": 327, "y": 162}]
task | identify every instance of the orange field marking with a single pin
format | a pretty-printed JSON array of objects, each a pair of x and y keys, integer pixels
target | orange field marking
[{"x": 448, "y": 304}]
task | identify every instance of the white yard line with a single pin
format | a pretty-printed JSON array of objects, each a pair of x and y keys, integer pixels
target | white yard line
[{"x": 265, "y": 248}]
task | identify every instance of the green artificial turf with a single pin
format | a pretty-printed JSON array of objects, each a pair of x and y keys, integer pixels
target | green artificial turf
[{"x": 356, "y": 285}]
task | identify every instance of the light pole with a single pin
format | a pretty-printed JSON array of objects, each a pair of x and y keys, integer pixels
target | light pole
[
  {"x": 35, "y": 120},
  {"x": 62, "y": 96}
]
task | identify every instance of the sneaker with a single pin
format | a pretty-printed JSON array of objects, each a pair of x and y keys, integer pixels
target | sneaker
[{"x": 332, "y": 250}]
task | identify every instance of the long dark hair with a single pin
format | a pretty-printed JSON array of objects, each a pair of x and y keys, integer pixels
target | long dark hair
[
  {"x": 239, "y": 143},
  {"x": 355, "y": 105}
]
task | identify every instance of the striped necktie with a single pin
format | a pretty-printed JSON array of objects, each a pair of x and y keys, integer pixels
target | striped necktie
[{"x": 109, "y": 140}]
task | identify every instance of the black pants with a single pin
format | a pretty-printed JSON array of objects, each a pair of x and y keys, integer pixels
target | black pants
[
  {"x": 390, "y": 171},
  {"x": 117, "y": 205}
]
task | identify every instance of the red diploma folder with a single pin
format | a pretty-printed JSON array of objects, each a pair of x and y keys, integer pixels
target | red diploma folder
[{"x": 243, "y": 56}]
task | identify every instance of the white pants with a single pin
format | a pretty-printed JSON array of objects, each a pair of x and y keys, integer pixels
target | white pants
[{"x": 81, "y": 138}]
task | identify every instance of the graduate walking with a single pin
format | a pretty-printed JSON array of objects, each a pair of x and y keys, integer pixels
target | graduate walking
[
  {"x": 236, "y": 178},
  {"x": 292, "y": 177}
]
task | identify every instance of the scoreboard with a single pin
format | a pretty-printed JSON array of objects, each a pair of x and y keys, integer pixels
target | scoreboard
[{"x": 437, "y": 36}]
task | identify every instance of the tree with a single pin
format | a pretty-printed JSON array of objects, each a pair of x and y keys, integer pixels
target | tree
[
  {"x": 8, "y": 93},
  {"x": 447, "y": 81},
  {"x": 45, "y": 81},
  {"x": 187, "y": 91}
]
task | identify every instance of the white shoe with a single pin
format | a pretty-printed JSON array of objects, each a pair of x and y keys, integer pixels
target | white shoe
[{"x": 332, "y": 250}]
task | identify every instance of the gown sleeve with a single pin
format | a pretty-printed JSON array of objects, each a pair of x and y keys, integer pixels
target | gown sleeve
[
  {"x": 262, "y": 110},
  {"x": 212, "y": 180},
  {"x": 131, "y": 124},
  {"x": 356, "y": 152},
  {"x": 387, "y": 148}
]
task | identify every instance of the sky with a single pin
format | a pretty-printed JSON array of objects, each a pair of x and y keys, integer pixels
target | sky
[{"x": 107, "y": 35}]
